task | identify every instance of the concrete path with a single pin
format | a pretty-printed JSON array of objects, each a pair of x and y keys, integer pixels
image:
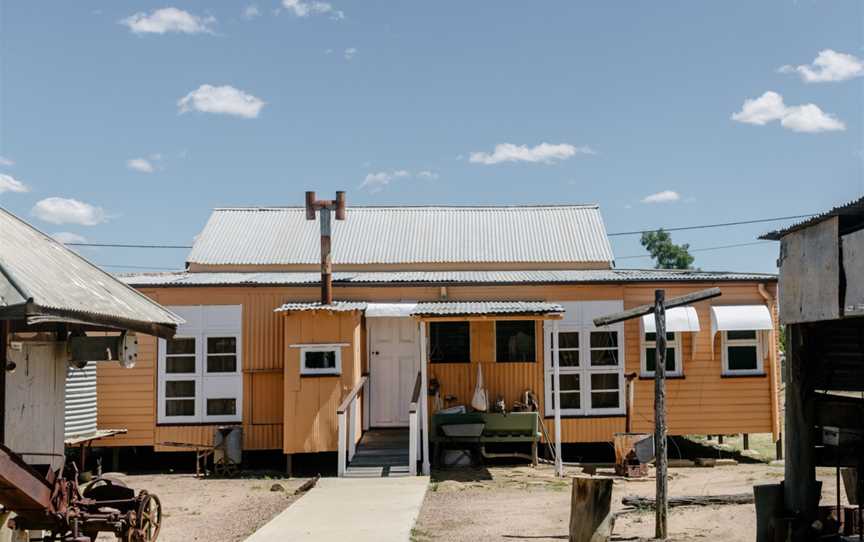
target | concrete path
[{"x": 355, "y": 509}]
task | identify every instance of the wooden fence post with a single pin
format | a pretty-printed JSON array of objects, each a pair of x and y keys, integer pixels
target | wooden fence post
[
  {"x": 662, "y": 507},
  {"x": 591, "y": 509}
]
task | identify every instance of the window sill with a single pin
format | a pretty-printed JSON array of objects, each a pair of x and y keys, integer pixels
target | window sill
[
  {"x": 668, "y": 377},
  {"x": 745, "y": 375},
  {"x": 197, "y": 424},
  {"x": 578, "y": 416},
  {"x": 320, "y": 375}
]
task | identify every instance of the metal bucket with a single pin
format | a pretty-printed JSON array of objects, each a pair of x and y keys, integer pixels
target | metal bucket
[{"x": 228, "y": 449}]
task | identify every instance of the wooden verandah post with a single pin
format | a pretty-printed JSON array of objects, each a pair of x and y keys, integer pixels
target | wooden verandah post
[{"x": 658, "y": 308}]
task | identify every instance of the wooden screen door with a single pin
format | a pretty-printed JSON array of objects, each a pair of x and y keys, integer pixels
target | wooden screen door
[{"x": 393, "y": 366}]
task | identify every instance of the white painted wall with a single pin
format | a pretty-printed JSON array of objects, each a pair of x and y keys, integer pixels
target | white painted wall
[{"x": 35, "y": 404}]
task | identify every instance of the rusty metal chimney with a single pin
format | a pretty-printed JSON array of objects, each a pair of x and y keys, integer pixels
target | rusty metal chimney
[{"x": 325, "y": 207}]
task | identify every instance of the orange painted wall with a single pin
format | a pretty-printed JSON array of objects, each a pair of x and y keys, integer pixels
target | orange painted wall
[{"x": 702, "y": 402}]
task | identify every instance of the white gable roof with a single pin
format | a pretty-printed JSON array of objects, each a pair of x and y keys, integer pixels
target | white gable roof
[{"x": 407, "y": 235}]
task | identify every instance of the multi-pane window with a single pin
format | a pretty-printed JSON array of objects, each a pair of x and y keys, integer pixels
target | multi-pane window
[
  {"x": 450, "y": 342},
  {"x": 590, "y": 361},
  {"x": 673, "y": 354},
  {"x": 321, "y": 359},
  {"x": 741, "y": 353},
  {"x": 515, "y": 341},
  {"x": 200, "y": 378}
]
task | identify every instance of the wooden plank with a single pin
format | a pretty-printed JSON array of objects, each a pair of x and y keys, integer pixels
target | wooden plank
[
  {"x": 810, "y": 274},
  {"x": 635, "y": 312},
  {"x": 853, "y": 263}
]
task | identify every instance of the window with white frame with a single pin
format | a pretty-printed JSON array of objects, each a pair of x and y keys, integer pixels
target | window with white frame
[
  {"x": 200, "y": 369},
  {"x": 742, "y": 353},
  {"x": 673, "y": 354},
  {"x": 320, "y": 359},
  {"x": 591, "y": 362}
]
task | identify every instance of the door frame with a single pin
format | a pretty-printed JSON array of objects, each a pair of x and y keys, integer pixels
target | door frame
[{"x": 371, "y": 360}]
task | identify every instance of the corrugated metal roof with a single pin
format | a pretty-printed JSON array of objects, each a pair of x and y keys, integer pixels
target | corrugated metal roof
[
  {"x": 337, "y": 306},
  {"x": 183, "y": 278},
  {"x": 853, "y": 209},
  {"x": 460, "y": 308},
  {"x": 41, "y": 279},
  {"x": 400, "y": 235}
]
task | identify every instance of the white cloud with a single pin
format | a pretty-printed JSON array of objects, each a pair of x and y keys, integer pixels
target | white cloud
[
  {"x": 251, "y": 11},
  {"x": 6, "y": 161},
  {"x": 828, "y": 67},
  {"x": 810, "y": 119},
  {"x": 67, "y": 237},
  {"x": 68, "y": 211},
  {"x": 350, "y": 52},
  {"x": 769, "y": 107},
  {"x": 305, "y": 9},
  {"x": 141, "y": 165},
  {"x": 169, "y": 19},
  {"x": 8, "y": 183},
  {"x": 546, "y": 153},
  {"x": 666, "y": 196},
  {"x": 224, "y": 99},
  {"x": 375, "y": 182},
  {"x": 764, "y": 109}
]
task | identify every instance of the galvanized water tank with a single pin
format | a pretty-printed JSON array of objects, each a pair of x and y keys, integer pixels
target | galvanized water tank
[{"x": 80, "y": 400}]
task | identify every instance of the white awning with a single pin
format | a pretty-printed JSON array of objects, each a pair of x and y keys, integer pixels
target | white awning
[
  {"x": 740, "y": 318},
  {"x": 678, "y": 319},
  {"x": 389, "y": 310}
]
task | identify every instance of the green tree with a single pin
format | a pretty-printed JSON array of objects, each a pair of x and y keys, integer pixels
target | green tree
[{"x": 666, "y": 254}]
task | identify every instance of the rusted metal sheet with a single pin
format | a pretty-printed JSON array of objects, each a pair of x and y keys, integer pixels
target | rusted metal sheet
[
  {"x": 810, "y": 273},
  {"x": 394, "y": 235},
  {"x": 853, "y": 266},
  {"x": 42, "y": 280}
]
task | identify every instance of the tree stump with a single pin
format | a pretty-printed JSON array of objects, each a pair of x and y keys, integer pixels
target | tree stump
[{"x": 590, "y": 510}]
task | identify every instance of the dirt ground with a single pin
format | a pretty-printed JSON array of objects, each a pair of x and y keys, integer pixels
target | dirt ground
[
  {"x": 521, "y": 503},
  {"x": 210, "y": 509}
]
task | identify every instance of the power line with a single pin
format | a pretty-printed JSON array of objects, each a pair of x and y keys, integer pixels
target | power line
[
  {"x": 718, "y": 225},
  {"x": 704, "y": 249},
  {"x": 124, "y": 245}
]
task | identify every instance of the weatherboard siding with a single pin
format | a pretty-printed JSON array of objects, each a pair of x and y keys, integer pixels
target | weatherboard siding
[{"x": 283, "y": 411}]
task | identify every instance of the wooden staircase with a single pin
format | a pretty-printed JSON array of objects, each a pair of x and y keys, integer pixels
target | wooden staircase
[{"x": 380, "y": 453}]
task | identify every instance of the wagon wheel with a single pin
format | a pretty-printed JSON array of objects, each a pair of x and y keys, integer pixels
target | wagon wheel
[{"x": 148, "y": 521}]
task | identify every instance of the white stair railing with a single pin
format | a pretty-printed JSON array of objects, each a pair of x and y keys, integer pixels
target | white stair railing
[
  {"x": 348, "y": 415},
  {"x": 414, "y": 429}
]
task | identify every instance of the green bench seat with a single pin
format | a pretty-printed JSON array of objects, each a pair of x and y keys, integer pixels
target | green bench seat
[{"x": 513, "y": 427}]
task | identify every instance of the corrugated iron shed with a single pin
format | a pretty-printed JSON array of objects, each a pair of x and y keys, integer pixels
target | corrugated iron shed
[
  {"x": 587, "y": 276},
  {"x": 851, "y": 214},
  {"x": 42, "y": 280},
  {"x": 336, "y": 306},
  {"x": 405, "y": 235},
  {"x": 466, "y": 308}
]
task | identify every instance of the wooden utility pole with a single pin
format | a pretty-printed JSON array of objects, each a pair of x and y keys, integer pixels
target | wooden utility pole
[
  {"x": 324, "y": 207},
  {"x": 661, "y": 510},
  {"x": 658, "y": 309}
]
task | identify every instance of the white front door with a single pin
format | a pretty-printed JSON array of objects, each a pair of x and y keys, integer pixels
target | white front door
[{"x": 393, "y": 366}]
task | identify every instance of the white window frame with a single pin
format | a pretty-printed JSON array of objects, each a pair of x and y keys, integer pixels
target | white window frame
[
  {"x": 582, "y": 323},
  {"x": 204, "y": 322},
  {"x": 677, "y": 343},
  {"x": 756, "y": 342},
  {"x": 307, "y": 371}
]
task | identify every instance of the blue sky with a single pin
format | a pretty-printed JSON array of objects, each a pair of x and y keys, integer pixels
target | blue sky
[{"x": 150, "y": 116}]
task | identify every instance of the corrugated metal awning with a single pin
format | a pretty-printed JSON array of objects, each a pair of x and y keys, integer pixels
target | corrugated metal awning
[
  {"x": 740, "y": 318},
  {"x": 549, "y": 276},
  {"x": 678, "y": 319},
  {"x": 336, "y": 306},
  {"x": 390, "y": 310},
  {"x": 43, "y": 281},
  {"x": 482, "y": 308}
]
